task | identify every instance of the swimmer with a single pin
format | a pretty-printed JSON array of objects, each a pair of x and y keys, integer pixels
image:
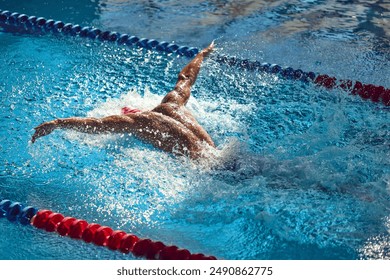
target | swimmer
[{"x": 170, "y": 126}]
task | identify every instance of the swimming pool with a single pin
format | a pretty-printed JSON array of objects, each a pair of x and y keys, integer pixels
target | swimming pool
[{"x": 311, "y": 172}]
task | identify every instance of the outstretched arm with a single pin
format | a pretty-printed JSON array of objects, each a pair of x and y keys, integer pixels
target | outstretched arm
[
  {"x": 191, "y": 70},
  {"x": 116, "y": 124},
  {"x": 187, "y": 78}
]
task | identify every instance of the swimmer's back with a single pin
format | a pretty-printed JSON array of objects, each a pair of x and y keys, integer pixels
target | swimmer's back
[{"x": 166, "y": 133}]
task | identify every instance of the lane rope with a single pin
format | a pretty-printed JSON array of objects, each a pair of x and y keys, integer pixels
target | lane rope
[
  {"x": 97, "y": 234},
  {"x": 16, "y": 22}
]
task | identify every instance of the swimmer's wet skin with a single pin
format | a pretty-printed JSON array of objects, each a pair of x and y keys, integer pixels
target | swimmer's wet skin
[{"x": 170, "y": 126}]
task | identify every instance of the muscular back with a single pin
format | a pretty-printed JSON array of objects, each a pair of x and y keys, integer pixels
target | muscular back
[
  {"x": 166, "y": 133},
  {"x": 184, "y": 116}
]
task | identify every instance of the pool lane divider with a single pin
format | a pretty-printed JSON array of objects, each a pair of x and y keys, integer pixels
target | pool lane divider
[
  {"x": 366, "y": 91},
  {"x": 97, "y": 234},
  {"x": 21, "y": 23}
]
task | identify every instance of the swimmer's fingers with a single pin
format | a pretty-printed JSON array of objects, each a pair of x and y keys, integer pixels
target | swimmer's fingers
[
  {"x": 38, "y": 133},
  {"x": 43, "y": 130},
  {"x": 209, "y": 49}
]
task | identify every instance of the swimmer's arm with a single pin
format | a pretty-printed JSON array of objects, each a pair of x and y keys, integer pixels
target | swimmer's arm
[
  {"x": 187, "y": 77},
  {"x": 114, "y": 124},
  {"x": 191, "y": 70}
]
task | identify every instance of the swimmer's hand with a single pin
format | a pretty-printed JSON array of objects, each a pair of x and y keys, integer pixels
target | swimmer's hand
[
  {"x": 209, "y": 49},
  {"x": 44, "y": 129}
]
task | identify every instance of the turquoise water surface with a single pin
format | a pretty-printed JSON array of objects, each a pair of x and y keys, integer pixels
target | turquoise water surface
[{"x": 301, "y": 173}]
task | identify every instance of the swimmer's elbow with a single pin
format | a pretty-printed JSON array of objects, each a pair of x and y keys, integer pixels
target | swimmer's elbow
[{"x": 186, "y": 78}]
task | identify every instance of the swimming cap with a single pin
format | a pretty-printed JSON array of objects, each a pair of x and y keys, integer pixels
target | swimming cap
[{"x": 129, "y": 110}]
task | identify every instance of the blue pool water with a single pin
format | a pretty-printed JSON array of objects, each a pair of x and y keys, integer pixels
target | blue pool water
[{"x": 311, "y": 176}]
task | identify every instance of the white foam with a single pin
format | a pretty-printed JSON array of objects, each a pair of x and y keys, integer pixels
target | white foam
[
  {"x": 167, "y": 178},
  {"x": 209, "y": 113}
]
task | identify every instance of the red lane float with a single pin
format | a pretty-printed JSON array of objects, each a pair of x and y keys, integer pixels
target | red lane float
[
  {"x": 89, "y": 232},
  {"x": 40, "y": 221},
  {"x": 64, "y": 226},
  {"x": 77, "y": 228},
  {"x": 365, "y": 91},
  {"x": 114, "y": 240},
  {"x": 53, "y": 221},
  {"x": 127, "y": 243},
  {"x": 102, "y": 235}
]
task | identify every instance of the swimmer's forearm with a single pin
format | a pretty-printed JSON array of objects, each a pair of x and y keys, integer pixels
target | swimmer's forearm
[
  {"x": 115, "y": 124},
  {"x": 87, "y": 125},
  {"x": 191, "y": 70}
]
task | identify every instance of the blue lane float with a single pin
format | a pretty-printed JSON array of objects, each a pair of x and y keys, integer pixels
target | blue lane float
[
  {"x": 14, "y": 211},
  {"x": 15, "y": 22}
]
